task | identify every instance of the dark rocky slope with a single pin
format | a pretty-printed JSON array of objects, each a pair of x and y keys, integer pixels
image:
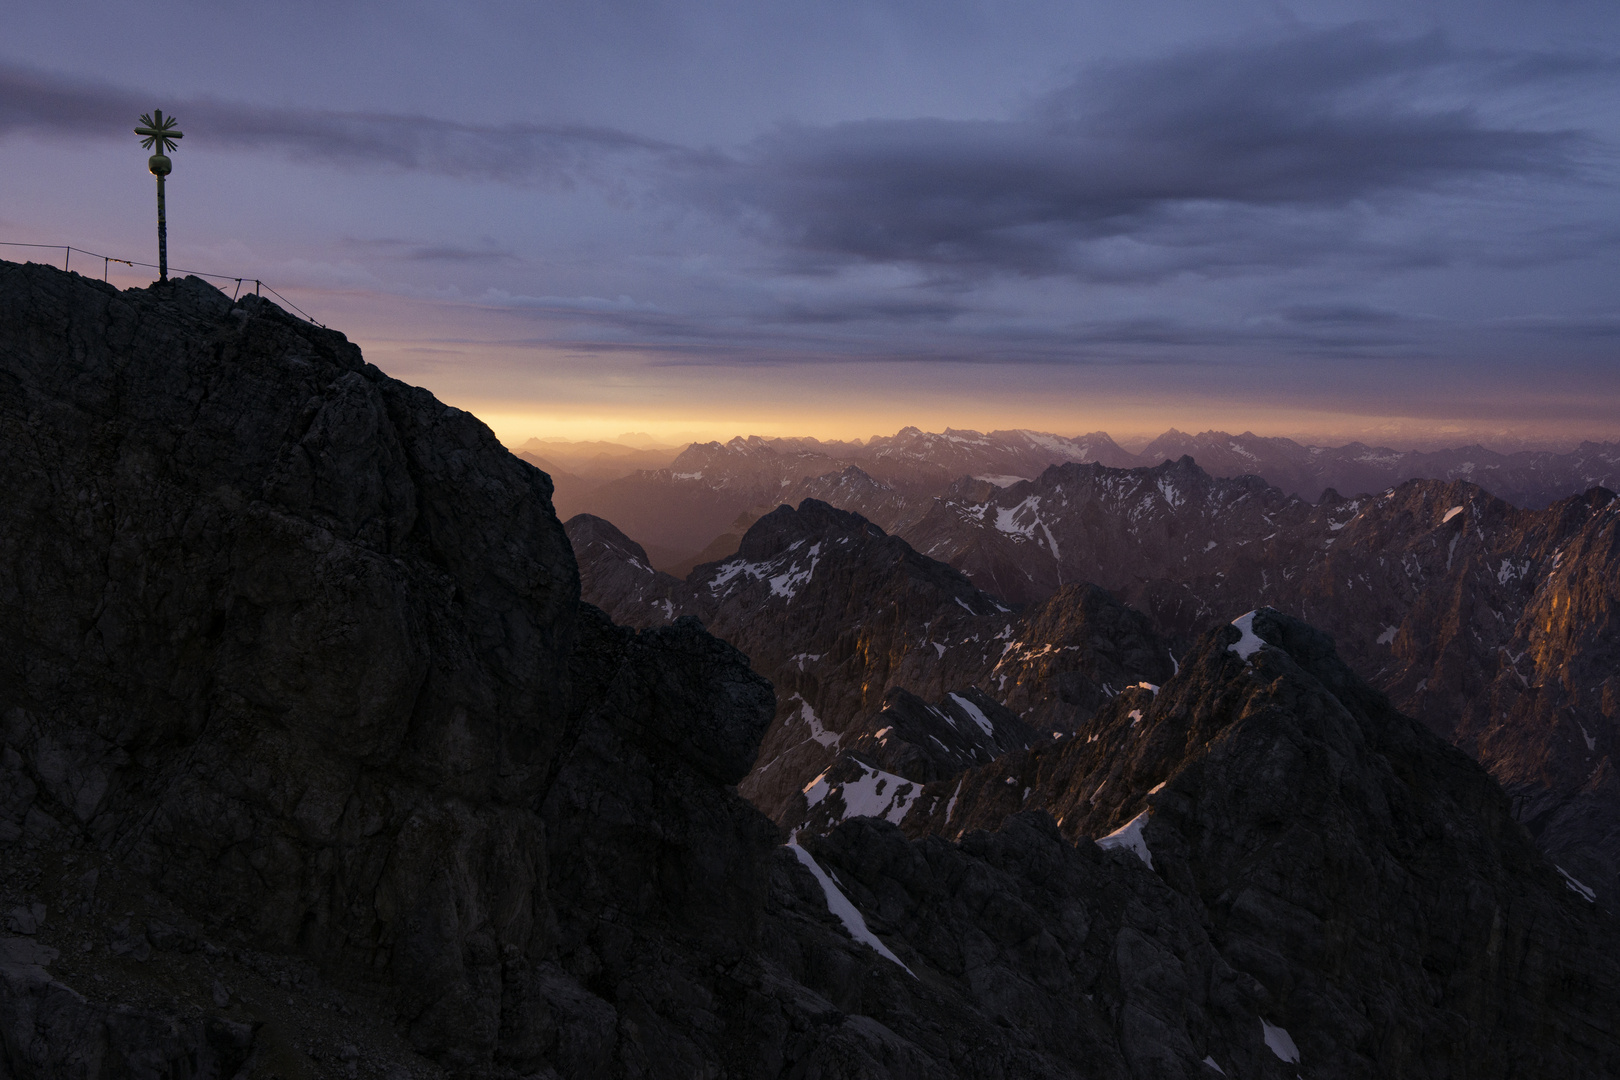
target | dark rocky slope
[
  {"x": 1497, "y": 627},
  {"x": 298, "y": 696},
  {"x": 1370, "y": 877},
  {"x": 616, "y": 575},
  {"x": 313, "y": 766}
]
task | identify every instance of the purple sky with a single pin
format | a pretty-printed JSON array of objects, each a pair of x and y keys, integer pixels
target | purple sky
[{"x": 1384, "y": 220}]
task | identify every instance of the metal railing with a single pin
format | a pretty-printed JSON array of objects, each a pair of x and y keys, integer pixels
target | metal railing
[{"x": 67, "y": 251}]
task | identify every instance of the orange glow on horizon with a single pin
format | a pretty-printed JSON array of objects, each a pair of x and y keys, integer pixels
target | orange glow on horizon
[
  {"x": 533, "y": 389},
  {"x": 1131, "y": 428}
]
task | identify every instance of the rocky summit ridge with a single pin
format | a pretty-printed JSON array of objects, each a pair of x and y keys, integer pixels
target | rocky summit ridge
[{"x": 314, "y": 764}]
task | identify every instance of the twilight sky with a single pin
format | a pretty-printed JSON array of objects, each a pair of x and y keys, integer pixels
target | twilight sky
[{"x": 1393, "y": 221}]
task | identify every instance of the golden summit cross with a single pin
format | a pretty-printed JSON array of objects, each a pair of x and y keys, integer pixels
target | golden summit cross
[{"x": 160, "y": 133}]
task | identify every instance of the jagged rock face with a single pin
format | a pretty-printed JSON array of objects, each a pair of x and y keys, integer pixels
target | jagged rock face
[
  {"x": 298, "y": 670},
  {"x": 837, "y": 613},
  {"x": 1073, "y": 954},
  {"x": 877, "y": 765},
  {"x": 841, "y": 617},
  {"x": 1367, "y": 875},
  {"x": 1498, "y": 628},
  {"x": 1527, "y": 478},
  {"x": 281, "y": 621}
]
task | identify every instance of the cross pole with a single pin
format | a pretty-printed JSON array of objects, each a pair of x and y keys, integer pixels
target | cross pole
[{"x": 159, "y": 133}]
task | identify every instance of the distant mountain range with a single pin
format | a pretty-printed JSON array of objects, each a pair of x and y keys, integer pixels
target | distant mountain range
[
  {"x": 1494, "y": 625},
  {"x": 679, "y": 504}
]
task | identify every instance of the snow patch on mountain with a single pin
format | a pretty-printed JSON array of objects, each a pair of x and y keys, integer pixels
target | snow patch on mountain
[
  {"x": 1128, "y": 837},
  {"x": 975, "y": 714},
  {"x": 1007, "y": 518},
  {"x": 847, "y": 913},
  {"x": 874, "y": 793},
  {"x": 1051, "y": 541},
  {"x": 1576, "y": 887},
  {"x": 1250, "y": 643},
  {"x": 786, "y": 584},
  {"x": 1280, "y": 1042},
  {"x": 817, "y": 732}
]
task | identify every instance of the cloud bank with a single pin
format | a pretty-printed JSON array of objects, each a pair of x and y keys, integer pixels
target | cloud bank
[{"x": 1331, "y": 158}]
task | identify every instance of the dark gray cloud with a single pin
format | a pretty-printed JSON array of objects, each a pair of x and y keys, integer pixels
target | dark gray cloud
[
  {"x": 884, "y": 309},
  {"x": 519, "y": 153},
  {"x": 1318, "y": 166},
  {"x": 1342, "y": 315},
  {"x": 1237, "y": 156},
  {"x": 416, "y": 251},
  {"x": 1319, "y": 121},
  {"x": 852, "y": 329}
]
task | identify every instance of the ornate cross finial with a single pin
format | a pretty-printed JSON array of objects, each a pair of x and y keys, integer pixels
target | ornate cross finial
[
  {"x": 160, "y": 136},
  {"x": 158, "y": 129}
]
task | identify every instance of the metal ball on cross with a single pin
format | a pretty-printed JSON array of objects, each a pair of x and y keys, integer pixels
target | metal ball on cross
[{"x": 160, "y": 136}]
